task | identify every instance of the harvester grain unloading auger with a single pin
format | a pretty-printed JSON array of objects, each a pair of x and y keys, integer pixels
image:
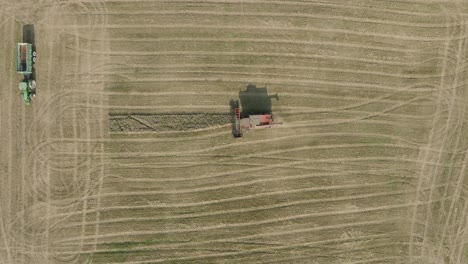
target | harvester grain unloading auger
[{"x": 25, "y": 58}]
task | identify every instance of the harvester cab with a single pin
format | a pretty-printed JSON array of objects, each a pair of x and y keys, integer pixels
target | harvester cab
[{"x": 28, "y": 90}]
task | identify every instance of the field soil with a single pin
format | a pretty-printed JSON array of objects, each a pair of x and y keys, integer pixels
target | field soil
[{"x": 126, "y": 155}]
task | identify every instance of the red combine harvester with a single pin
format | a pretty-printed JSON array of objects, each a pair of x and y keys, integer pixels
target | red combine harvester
[
  {"x": 256, "y": 110},
  {"x": 253, "y": 122}
]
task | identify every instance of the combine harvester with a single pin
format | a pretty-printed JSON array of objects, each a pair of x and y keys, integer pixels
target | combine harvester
[
  {"x": 25, "y": 58},
  {"x": 253, "y": 122},
  {"x": 256, "y": 111}
]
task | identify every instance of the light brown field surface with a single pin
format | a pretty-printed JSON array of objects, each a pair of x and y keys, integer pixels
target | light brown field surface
[{"x": 369, "y": 165}]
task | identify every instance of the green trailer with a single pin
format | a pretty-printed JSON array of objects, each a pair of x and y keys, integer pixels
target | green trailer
[{"x": 25, "y": 56}]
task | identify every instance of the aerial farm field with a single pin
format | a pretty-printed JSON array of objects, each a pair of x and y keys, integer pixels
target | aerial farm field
[{"x": 126, "y": 155}]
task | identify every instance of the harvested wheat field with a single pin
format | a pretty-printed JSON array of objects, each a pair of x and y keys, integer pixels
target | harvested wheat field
[{"x": 127, "y": 155}]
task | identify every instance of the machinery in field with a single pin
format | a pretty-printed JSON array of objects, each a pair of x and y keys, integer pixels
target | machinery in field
[
  {"x": 252, "y": 122},
  {"x": 25, "y": 58},
  {"x": 256, "y": 111},
  {"x": 28, "y": 90}
]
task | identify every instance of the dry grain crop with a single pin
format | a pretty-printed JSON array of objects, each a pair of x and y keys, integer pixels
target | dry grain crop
[
  {"x": 369, "y": 166},
  {"x": 134, "y": 122}
]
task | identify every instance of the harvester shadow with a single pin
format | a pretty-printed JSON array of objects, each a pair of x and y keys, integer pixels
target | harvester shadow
[
  {"x": 29, "y": 37},
  {"x": 255, "y": 101},
  {"x": 28, "y": 34}
]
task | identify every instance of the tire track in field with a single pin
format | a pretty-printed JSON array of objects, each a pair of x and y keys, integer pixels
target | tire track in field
[
  {"x": 295, "y": 165},
  {"x": 316, "y": 175},
  {"x": 75, "y": 132},
  {"x": 348, "y": 117},
  {"x": 459, "y": 121},
  {"x": 82, "y": 179},
  {"x": 19, "y": 139},
  {"x": 105, "y": 45},
  {"x": 10, "y": 173},
  {"x": 452, "y": 205},
  {"x": 150, "y": 70},
  {"x": 330, "y": 252},
  {"x": 49, "y": 109},
  {"x": 243, "y": 224},
  {"x": 127, "y": 76},
  {"x": 245, "y": 210},
  {"x": 37, "y": 155},
  {"x": 400, "y": 23},
  {"x": 47, "y": 252},
  {"x": 461, "y": 235},
  {"x": 333, "y": 250},
  {"x": 224, "y": 73},
  {"x": 237, "y": 144},
  {"x": 85, "y": 166},
  {"x": 52, "y": 105},
  {"x": 6, "y": 210},
  {"x": 416, "y": 88},
  {"x": 245, "y": 183},
  {"x": 251, "y": 54},
  {"x": 308, "y": 29},
  {"x": 46, "y": 158},
  {"x": 425, "y": 155},
  {"x": 336, "y": 253},
  {"x": 342, "y": 240},
  {"x": 39, "y": 126},
  {"x": 291, "y": 164},
  {"x": 459, "y": 69},
  {"x": 333, "y": 84},
  {"x": 22, "y": 137},
  {"x": 308, "y": 257},
  {"x": 87, "y": 162},
  {"x": 426, "y": 158},
  {"x": 260, "y": 141},
  {"x": 294, "y": 3},
  {"x": 245, "y": 198},
  {"x": 255, "y": 40},
  {"x": 91, "y": 165},
  {"x": 258, "y": 250},
  {"x": 452, "y": 107}
]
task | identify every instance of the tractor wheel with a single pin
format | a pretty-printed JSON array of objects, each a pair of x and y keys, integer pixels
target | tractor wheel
[
  {"x": 34, "y": 53},
  {"x": 33, "y": 85}
]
